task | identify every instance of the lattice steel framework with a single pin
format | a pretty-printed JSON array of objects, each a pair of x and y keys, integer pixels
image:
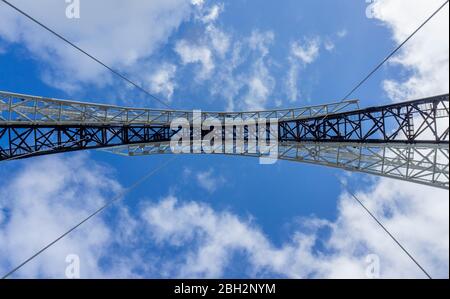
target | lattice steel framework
[
  {"x": 420, "y": 163},
  {"x": 408, "y": 140}
]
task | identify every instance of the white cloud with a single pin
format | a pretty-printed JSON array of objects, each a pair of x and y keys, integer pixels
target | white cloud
[
  {"x": 228, "y": 82},
  {"x": 163, "y": 80},
  {"x": 261, "y": 41},
  {"x": 211, "y": 238},
  {"x": 260, "y": 85},
  {"x": 329, "y": 45},
  {"x": 212, "y": 13},
  {"x": 301, "y": 54},
  {"x": 206, "y": 239},
  {"x": 242, "y": 76},
  {"x": 192, "y": 53},
  {"x": 37, "y": 208},
  {"x": 220, "y": 40},
  {"x": 291, "y": 82},
  {"x": 342, "y": 33},
  {"x": 205, "y": 48},
  {"x": 425, "y": 55},
  {"x": 416, "y": 215},
  {"x": 209, "y": 180},
  {"x": 258, "y": 82},
  {"x": 198, "y": 2},
  {"x": 122, "y": 34},
  {"x": 306, "y": 52}
]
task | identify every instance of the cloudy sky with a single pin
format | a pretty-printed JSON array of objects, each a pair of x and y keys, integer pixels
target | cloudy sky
[{"x": 205, "y": 216}]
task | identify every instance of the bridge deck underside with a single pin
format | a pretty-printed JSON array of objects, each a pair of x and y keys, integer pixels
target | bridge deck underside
[
  {"x": 408, "y": 140},
  {"x": 425, "y": 164}
]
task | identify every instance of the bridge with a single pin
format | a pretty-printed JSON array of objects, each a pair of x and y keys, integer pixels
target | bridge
[{"x": 407, "y": 140}]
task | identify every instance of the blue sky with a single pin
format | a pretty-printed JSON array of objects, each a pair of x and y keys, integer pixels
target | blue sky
[{"x": 216, "y": 55}]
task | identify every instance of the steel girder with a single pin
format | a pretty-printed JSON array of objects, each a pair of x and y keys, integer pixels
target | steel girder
[
  {"x": 18, "y": 108},
  {"x": 407, "y": 122},
  {"x": 23, "y": 141},
  {"x": 426, "y": 164},
  {"x": 407, "y": 140}
]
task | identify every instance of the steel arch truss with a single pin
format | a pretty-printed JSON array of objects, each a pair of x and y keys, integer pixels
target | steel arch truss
[
  {"x": 19, "y": 108},
  {"x": 426, "y": 164},
  {"x": 407, "y": 140},
  {"x": 407, "y": 122},
  {"x": 24, "y": 141}
]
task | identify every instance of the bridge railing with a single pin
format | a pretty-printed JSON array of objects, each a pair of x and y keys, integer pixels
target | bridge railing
[{"x": 19, "y": 108}]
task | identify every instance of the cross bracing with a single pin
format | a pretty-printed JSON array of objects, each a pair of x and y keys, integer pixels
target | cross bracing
[{"x": 407, "y": 140}]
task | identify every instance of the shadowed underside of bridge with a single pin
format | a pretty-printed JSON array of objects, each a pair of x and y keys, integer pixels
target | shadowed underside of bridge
[{"x": 407, "y": 141}]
